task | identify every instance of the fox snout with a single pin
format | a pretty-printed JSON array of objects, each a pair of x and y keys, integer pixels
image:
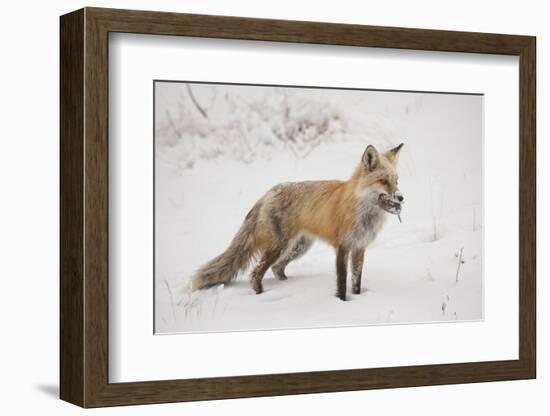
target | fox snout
[
  {"x": 396, "y": 196},
  {"x": 399, "y": 196}
]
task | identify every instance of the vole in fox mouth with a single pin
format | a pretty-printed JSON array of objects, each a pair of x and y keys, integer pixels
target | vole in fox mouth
[{"x": 391, "y": 203}]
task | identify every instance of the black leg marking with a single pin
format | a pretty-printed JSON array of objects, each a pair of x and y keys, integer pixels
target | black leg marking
[
  {"x": 341, "y": 272},
  {"x": 357, "y": 258}
]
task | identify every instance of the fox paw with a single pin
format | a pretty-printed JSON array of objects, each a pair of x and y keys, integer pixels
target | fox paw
[
  {"x": 279, "y": 273},
  {"x": 257, "y": 287},
  {"x": 281, "y": 276}
]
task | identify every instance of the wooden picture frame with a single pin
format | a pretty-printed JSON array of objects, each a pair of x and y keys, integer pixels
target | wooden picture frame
[{"x": 84, "y": 207}]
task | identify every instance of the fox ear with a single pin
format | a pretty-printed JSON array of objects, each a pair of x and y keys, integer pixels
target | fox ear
[
  {"x": 393, "y": 154},
  {"x": 371, "y": 157}
]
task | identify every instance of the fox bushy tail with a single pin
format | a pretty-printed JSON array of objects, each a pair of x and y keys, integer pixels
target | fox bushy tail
[{"x": 234, "y": 259}]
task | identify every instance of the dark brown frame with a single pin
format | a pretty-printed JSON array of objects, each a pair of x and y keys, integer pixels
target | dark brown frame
[{"x": 84, "y": 207}]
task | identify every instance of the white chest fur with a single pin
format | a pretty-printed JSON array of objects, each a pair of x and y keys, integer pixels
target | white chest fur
[{"x": 369, "y": 220}]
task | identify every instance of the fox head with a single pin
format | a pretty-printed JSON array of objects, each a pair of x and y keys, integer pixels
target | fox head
[{"x": 377, "y": 173}]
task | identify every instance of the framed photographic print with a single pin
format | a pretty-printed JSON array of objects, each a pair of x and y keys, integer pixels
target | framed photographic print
[{"x": 255, "y": 207}]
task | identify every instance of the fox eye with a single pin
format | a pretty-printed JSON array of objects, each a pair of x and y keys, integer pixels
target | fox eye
[{"x": 384, "y": 182}]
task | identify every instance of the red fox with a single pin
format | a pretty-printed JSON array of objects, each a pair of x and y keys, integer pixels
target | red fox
[{"x": 283, "y": 224}]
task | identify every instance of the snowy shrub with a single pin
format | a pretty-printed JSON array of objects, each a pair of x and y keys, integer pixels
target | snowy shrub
[{"x": 207, "y": 122}]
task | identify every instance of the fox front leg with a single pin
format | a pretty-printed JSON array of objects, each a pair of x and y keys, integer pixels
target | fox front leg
[
  {"x": 341, "y": 272},
  {"x": 357, "y": 258}
]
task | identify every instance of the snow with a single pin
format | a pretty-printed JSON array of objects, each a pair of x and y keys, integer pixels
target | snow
[{"x": 410, "y": 271}]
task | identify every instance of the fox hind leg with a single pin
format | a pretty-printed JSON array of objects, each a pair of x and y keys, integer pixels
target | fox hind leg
[
  {"x": 268, "y": 258},
  {"x": 291, "y": 253}
]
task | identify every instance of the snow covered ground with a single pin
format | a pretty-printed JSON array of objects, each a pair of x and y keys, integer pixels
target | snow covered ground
[{"x": 410, "y": 272}]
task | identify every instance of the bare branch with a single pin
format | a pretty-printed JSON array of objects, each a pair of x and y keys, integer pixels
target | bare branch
[
  {"x": 171, "y": 299},
  {"x": 195, "y": 102},
  {"x": 172, "y": 124},
  {"x": 460, "y": 261}
]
